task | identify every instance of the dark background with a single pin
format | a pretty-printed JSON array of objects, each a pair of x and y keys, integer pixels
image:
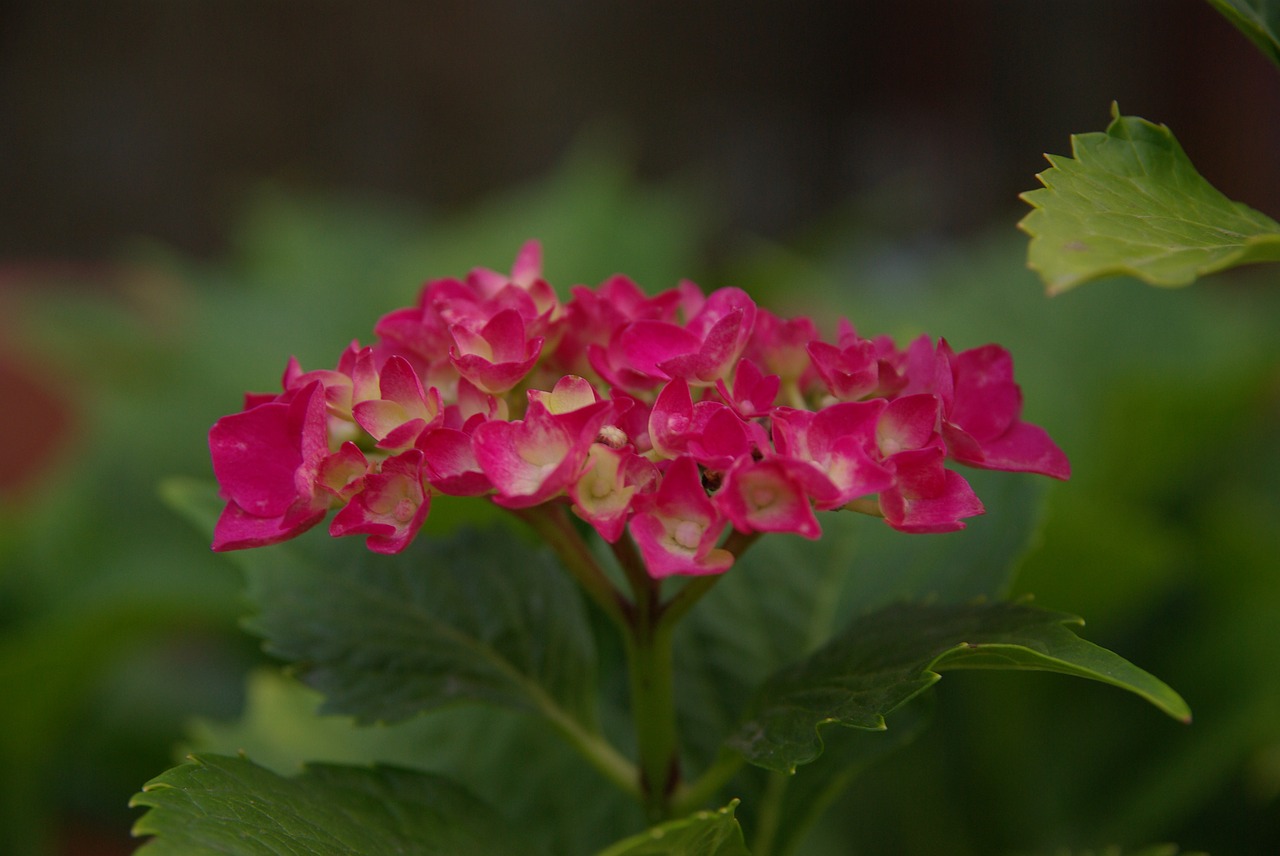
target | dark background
[{"x": 154, "y": 118}]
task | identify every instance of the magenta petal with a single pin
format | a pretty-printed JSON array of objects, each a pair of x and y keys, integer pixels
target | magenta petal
[
  {"x": 528, "y": 264},
  {"x": 1024, "y": 448},
  {"x": 677, "y": 531},
  {"x": 259, "y": 454},
  {"x": 941, "y": 513},
  {"x": 987, "y": 401},
  {"x": 671, "y": 418},
  {"x": 451, "y": 463},
  {"x": 765, "y": 496},
  {"x": 236, "y": 530},
  {"x": 254, "y": 458},
  {"x": 664, "y": 554},
  {"x": 644, "y": 344},
  {"x": 391, "y": 507},
  {"x": 909, "y": 422},
  {"x": 528, "y": 461},
  {"x": 496, "y": 377}
]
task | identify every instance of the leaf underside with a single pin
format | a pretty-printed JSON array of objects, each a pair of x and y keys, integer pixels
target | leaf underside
[
  {"x": 1129, "y": 203},
  {"x": 888, "y": 657},
  {"x": 1257, "y": 19}
]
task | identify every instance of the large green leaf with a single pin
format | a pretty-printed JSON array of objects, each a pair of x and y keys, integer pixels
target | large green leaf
[
  {"x": 221, "y": 805},
  {"x": 706, "y": 833},
  {"x": 476, "y": 616},
  {"x": 1257, "y": 19},
  {"x": 888, "y": 657},
  {"x": 472, "y": 745},
  {"x": 1129, "y": 202}
]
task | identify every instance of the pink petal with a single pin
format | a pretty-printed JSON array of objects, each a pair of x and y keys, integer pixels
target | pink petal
[
  {"x": 942, "y": 512},
  {"x": 236, "y": 530},
  {"x": 767, "y": 496},
  {"x": 391, "y": 507}
]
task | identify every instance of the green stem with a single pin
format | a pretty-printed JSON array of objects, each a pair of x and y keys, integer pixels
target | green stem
[
  {"x": 770, "y": 815},
  {"x": 598, "y": 751},
  {"x": 649, "y": 657},
  {"x": 553, "y": 524},
  {"x": 557, "y": 529}
]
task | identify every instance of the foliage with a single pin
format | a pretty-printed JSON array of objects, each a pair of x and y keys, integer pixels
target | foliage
[
  {"x": 1129, "y": 202},
  {"x": 1257, "y": 19}
]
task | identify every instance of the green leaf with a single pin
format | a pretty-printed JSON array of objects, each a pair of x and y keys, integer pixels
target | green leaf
[
  {"x": 477, "y": 616},
  {"x": 1130, "y": 203},
  {"x": 735, "y": 639},
  {"x": 1150, "y": 850},
  {"x": 706, "y": 833},
  {"x": 471, "y": 745},
  {"x": 1257, "y": 19},
  {"x": 888, "y": 657},
  {"x": 221, "y": 805}
]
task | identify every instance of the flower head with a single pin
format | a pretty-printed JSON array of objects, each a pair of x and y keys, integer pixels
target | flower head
[{"x": 669, "y": 420}]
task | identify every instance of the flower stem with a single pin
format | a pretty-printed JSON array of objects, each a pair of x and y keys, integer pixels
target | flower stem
[
  {"x": 768, "y": 822},
  {"x": 553, "y": 524},
  {"x": 649, "y": 657}
]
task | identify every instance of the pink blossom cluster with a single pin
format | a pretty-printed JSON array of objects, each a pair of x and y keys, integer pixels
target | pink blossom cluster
[{"x": 671, "y": 419}]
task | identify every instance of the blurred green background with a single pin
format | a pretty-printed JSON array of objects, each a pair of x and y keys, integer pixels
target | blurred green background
[{"x": 854, "y": 161}]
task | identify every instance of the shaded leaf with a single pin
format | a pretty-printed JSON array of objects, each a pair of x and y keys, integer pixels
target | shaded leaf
[
  {"x": 477, "y": 616},
  {"x": 1130, "y": 203},
  {"x": 887, "y": 658},
  {"x": 472, "y": 745},
  {"x": 221, "y": 805},
  {"x": 1257, "y": 19},
  {"x": 846, "y": 755},
  {"x": 706, "y": 833},
  {"x": 735, "y": 638}
]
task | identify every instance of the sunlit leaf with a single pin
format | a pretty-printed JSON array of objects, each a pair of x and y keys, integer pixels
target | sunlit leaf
[{"x": 1130, "y": 203}]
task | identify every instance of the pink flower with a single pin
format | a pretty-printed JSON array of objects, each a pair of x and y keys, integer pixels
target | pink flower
[
  {"x": 449, "y": 460},
  {"x": 267, "y": 460},
  {"x": 498, "y": 356},
  {"x": 610, "y": 480},
  {"x": 702, "y": 351},
  {"x": 533, "y": 459},
  {"x": 674, "y": 416},
  {"x": 839, "y": 441},
  {"x": 753, "y": 392},
  {"x": 390, "y": 508},
  {"x": 982, "y": 407},
  {"x": 404, "y": 410},
  {"x": 925, "y": 496},
  {"x": 781, "y": 345},
  {"x": 773, "y": 495},
  {"x": 678, "y": 528}
]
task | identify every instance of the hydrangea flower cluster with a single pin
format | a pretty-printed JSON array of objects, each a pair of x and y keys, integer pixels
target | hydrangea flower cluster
[{"x": 669, "y": 419}]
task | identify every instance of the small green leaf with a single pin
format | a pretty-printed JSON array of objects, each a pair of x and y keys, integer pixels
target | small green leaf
[
  {"x": 1257, "y": 19},
  {"x": 888, "y": 657},
  {"x": 1130, "y": 203},
  {"x": 220, "y": 805},
  {"x": 707, "y": 833}
]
